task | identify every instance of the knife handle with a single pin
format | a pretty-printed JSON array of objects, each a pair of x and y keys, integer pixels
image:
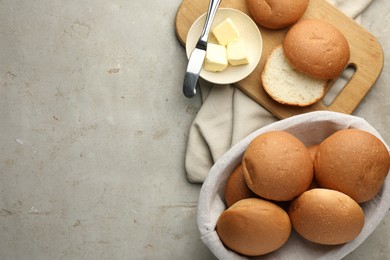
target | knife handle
[
  {"x": 212, "y": 9},
  {"x": 197, "y": 56}
]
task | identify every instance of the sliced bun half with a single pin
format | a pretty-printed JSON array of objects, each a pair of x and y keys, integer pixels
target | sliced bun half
[{"x": 288, "y": 86}]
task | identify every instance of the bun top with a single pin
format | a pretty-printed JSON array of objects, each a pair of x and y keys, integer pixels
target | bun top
[
  {"x": 254, "y": 227},
  {"x": 276, "y": 14},
  {"x": 317, "y": 48},
  {"x": 326, "y": 217},
  {"x": 277, "y": 166},
  {"x": 354, "y": 162},
  {"x": 236, "y": 188}
]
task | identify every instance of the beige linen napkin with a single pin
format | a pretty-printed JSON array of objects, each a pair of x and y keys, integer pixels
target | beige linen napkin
[{"x": 227, "y": 115}]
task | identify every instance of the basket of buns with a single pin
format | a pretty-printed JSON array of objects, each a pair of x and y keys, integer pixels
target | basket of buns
[{"x": 313, "y": 186}]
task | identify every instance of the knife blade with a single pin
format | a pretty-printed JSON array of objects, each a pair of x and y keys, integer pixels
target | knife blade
[{"x": 197, "y": 56}]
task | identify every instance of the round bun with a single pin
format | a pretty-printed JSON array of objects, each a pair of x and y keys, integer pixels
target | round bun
[
  {"x": 275, "y": 14},
  {"x": 354, "y": 162},
  {"x": 254, "y": 227},
  {"x": 317, "y": 48},
  {"x": 236, "y": 188},
  {"x": 288, "y": 86},
  {"x": 326, "y": 217},
  {"x": 277, "y": 166}
]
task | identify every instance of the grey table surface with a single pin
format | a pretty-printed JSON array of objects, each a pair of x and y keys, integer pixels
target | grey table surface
[{"x": 93, "y": 132}]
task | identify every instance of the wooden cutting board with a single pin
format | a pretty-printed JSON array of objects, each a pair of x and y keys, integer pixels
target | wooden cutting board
[{"x": 366, "y": 55}]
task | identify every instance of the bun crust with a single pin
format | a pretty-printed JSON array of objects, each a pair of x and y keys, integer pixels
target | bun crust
[
  {"x": 317, "y": 48},
  {"x": 254, "y": 227},
  {"x": 236, "y": 188},
  {"x": 277, "y": 166},
  {"x": 354, "y": 162},
  {"x": 275, "y": 14},
  {"x": 326, "y": 217}
]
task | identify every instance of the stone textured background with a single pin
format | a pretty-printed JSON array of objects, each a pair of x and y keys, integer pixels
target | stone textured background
[{"x": 93, "y": 130}]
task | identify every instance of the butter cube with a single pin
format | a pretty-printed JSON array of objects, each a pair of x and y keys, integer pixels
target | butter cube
[
  {"x": 237, "y": 53},
  {"x": 225, "y": 32},
  {"x": 216, "y": 59}
]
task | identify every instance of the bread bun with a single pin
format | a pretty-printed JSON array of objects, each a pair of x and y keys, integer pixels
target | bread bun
[
  {"x": 275, "y": 14},
  {"x": 236, "y": 188},
  {"x": 288, "y": 86},
  {"x": 254, "y": 227},
  {"x": 326, "y": 217},
  {"x": 354, "y": 162},
  {"x": 277, "y": 166},
  {"x": 317, "y": 48}
]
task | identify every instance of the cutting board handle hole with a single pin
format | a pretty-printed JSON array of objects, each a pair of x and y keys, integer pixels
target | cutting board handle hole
[{"x": 339, "y": 85}]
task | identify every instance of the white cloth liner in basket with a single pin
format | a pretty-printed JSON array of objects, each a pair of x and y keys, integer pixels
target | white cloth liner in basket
[{"x": 311, "y": 128}]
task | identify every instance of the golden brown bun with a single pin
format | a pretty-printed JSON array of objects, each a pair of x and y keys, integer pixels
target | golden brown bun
[
  {"x": 326, "y": 216},
  {"x": 354, "y": 162},
  {"x": 277, "y": 166},
  {"x": 236, "y": 188},
  {"x": 317, "y": 48},
  {"x": 276, "y": 14},
  {"x": 254, "y": 227}
]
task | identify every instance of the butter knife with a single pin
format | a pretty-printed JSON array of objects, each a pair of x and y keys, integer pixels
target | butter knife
[{"x": 197, "y": 56}]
